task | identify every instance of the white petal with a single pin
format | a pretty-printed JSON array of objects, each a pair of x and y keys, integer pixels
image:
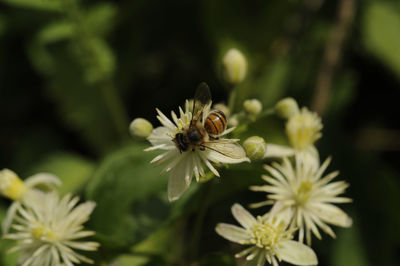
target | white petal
[
  {"x": 177, "y": 183},
  {"x": 331, "y": 214},
  {"x": 296, "y": 253},
  {"x": 217, "y": 157},
  {"x": 9, "y": 217},
  {"x": 243, "y": 216},
  {"x": 42, "y": 178},
  {"x": 161, "y": 135},
  {"x": 274, "y": 150},
  {"x": 164, "y": 120},
  {"x": 232, "y": 233}
]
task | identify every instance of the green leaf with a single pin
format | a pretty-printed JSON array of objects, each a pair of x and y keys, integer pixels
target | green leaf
[
  {"x": 130, "y": 195},
  {"x": 48, "y": 5},
  {"x": 381, "y": 24},
  {"x": 348, "y": 249},
  {"x": 54, "y": 32},
  {"x": 100, "y": 19},
  {"x": 82, "y": 105},
  {"x": 73, "y": 170}
]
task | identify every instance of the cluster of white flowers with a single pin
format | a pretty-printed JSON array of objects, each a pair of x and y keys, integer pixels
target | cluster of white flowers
[
  {"x": 301, "y": 195},
  {"x": 46, "y": 228}
]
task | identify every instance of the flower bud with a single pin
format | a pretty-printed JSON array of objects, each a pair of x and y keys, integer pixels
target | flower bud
[
  {"x": 140, "y": 127},
  {"x": 252, "y": 107},
  {"x": 222, "y": 107},
  {"x": 255, "y": 147},
  {"x": 233, "y": 121},
  {"x": 234, "y": 67},
  {"x": 286, "y": 108},
  {"x": 11, "y": 186}
]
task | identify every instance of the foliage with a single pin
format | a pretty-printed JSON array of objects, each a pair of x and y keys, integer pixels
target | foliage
[{"x": 74, "y": 73}]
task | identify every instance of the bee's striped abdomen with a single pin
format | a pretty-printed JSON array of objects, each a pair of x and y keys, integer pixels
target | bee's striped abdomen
[{"x": 215, "y": 123}]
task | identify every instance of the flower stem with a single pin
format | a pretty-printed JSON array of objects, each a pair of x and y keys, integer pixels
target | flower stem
[{"x": 199, "y": 220}]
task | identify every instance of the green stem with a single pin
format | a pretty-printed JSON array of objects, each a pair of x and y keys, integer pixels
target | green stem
[
  {"x": 115, "y": 108},
  {"x": 231, "y": 100},
  {"x": 198, "y": 223}
]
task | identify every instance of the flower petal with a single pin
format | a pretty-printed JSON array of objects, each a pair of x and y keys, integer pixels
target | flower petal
[
  {"x": 177, "y": 183},
  {"x": 232, "y": 233},
  {"x": 275, "y": 150},
  {"x": 297, "y": 253},
  {"x": 332, "y": 214},
  {"x": 42, "y": 178},
  {"x": 243, "y": 216},
  {"x": 161, "y": 135}
]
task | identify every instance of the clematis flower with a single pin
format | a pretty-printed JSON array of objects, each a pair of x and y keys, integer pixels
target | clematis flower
[
  {"x": 302, "y": 193},
  {"x": 47, "y": 233},
  {"x": 183, "y": 165},
  {"x": 268, "y": 237},
  {"x": 25, "y": 192},
  {"x": 303, "y": 129}
]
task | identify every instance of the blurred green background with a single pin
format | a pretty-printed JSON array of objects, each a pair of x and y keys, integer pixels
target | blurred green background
[{"x": 73, "y": 74}]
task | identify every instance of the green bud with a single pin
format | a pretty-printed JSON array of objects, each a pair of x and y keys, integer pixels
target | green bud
[
  {"x": 233, "y": 121},
  {"x": 234, "y": 67},
  {"x": 286, "y": 108},
  {"x": 252, "y": 106},
  {"x": 255, "y": 147},
  {"x": 140, "y": 127}
]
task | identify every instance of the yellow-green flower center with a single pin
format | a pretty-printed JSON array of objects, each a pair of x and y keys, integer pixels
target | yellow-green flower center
[
  {"x": 43, "y": 233},
  {"x": 11, "y": 186},
  {"x": 268, "y": 235},
  {"x": 303, "y": 129},
  {"x": 303, "y": 192}
]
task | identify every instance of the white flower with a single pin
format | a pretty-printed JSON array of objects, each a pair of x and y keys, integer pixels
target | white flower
[
  {"x": 302, "y": 193},
  {"x": 269, "y": 238},
  {"x": 303, "y": 128},
  {"x": 183, "y": 165},
  {"x": 12, "y": 187},
  {"x": 48, "y": 232}
]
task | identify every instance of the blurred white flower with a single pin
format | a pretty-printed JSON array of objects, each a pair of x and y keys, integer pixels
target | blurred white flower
[
  {"x": 184, "y": 164},
  {"x": 269, "y": 238},
  {"x": 303, "y": 128},
  {"x": 12, "y": 187},
  {"x": 300, "y": 192},
  {"x": 47, "y": 233}
]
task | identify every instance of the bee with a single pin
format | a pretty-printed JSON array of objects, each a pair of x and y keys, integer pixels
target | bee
[{"x": 203, "y": 132}]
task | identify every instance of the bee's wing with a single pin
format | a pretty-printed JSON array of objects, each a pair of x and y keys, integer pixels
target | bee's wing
[
  {"x": 202, "y": 98},
  {"x": 226, "y": 147}
]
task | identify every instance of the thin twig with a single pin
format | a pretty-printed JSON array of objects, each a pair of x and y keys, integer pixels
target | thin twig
[{"x": 332, "y": 55}]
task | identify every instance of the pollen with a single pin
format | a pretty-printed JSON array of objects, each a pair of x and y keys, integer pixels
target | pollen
[
  {"x": 43, "y": 233},
  {"x": 303, "y": 192},
  {"x": 268, "y": 235}
]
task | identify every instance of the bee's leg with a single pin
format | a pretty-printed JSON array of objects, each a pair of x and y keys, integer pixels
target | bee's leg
[{"x": 202, "y": 148}]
